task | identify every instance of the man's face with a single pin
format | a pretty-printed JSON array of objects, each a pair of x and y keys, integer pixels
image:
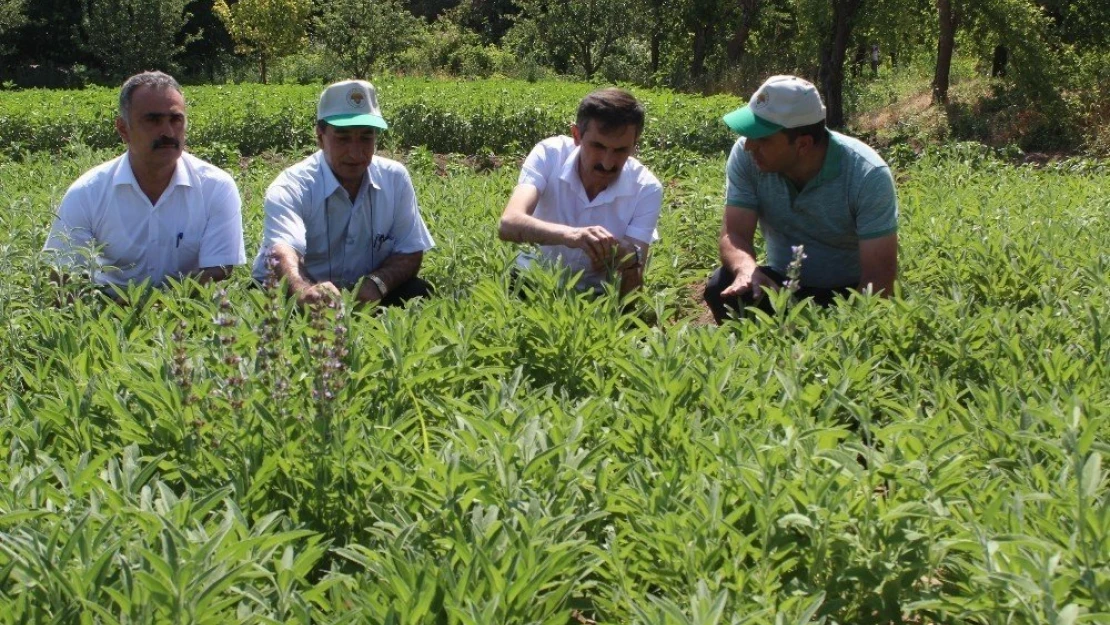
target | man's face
[
  {"x": 601, "y": 155},
  {"x": 155, "y": 129},
  {"x": 348, "y": 151},
  {"x": 773, "y": 153}
]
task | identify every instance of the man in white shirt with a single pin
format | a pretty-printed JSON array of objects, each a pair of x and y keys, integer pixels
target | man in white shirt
[
  {"x": 589, "y": 205},
  {"x": 155, "y": 212},
  {"x": 343, "y": 218}
]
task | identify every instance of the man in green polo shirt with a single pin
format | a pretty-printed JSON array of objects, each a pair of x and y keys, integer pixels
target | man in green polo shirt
[{"x": 807, "y": 186}]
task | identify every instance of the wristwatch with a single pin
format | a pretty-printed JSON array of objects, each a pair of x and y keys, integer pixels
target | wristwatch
[
  {"x": 378, "y": 282},
  {"x": 639, "y": 257}
]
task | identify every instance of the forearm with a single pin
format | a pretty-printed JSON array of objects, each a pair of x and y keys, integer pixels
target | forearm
[
  {"x": 879, "y": 264},
  {"x": 631, "y": 279},
  {"x": 631, "y": 258},
  {"x": 395, "y": 271},
  {"x": 288, "y": 267},
  {"x": 737, "y": 254},
  {"x": 880, "y": 282},
  {"x": 521, "y": 228},
  {"x": 211, "y": 274}
]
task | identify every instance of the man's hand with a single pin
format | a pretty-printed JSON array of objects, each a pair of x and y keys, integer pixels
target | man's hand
[
  {"x": 755, "y": 282},
  {"x": 597, "y": 242},
  {"x": 315, "y": 293}
]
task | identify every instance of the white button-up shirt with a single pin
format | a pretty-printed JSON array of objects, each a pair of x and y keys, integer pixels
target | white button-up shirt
[
  {"x": 106, "y": 223},
  {"x": 627, "y": 208},
  {"x": 342, "y": 241}
]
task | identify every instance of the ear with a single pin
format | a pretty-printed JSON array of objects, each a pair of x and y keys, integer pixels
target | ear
[
  {"x": 122, "y": 131},
  {"x": 574, "y": 133},
  {"x": 319, "y": 138}
]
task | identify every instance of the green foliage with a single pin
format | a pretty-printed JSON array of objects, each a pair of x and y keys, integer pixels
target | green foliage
[
  {"x": 359, "y": 34},
  {"x": 12, "y": 16},
  {"x": 503, "y": 116},
  {"x": 445, "y": 48},
  {"x": 130, "y": 36},
  {"x": 937, "y": 457},
  {"x": 268, "y": 29},
  {"x": 565, "y": 32}
]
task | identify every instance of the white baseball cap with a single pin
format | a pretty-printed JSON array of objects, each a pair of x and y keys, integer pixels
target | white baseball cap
[
  {"x": 780, "y": 102},
  {"x": 350, "y": 103}
]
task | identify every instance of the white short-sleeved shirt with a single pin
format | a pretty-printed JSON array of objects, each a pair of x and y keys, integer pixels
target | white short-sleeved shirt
[
  {"x": 106, "y": 223},
  {"x": 342, "y": 241},
  {"x": 628, "y": 208}
]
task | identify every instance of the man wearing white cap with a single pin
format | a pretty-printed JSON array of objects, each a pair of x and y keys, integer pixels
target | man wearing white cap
[
  {"x": 802, "y": 185},
  {"x": 156, "y": 212},
  {"x": 343, "y": 218}
]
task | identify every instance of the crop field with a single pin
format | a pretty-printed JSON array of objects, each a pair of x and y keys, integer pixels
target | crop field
[{"x": 215, "y": 455}]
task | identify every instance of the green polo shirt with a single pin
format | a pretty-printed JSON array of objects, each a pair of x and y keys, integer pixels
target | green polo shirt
[{"x": 851, "y": 199}]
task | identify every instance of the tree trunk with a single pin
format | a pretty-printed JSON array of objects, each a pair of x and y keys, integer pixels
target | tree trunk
[
  {"x": 656, "y": 41},
  {"x": 833, "y": 53},
  {"x": 945, "y": 44},
  {"x": 749, "y": 10},
  {"x": 262, "y": 67},
  {"x": 859, "y": 60},
  {"x": 702, "y": 36},
  {"x": 998, "y": 63}
]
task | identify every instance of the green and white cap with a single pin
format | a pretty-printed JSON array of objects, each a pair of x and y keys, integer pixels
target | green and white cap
[
  {"x": 780, "y": 102},
  {"x": 350, "y": 103}
]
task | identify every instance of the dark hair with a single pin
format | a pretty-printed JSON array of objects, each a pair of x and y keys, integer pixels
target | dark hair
[
  {"x": 612, "y": 108},
  {"x": 818, "y": 131},
  {"x": 154, "y": 80}
]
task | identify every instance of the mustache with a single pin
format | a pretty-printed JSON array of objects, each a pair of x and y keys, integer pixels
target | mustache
[
  {"x": 166, "y": 142},
  {"x": 601, "y": 169}
]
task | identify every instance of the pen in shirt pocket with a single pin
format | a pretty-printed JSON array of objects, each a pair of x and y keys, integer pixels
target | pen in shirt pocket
[{"x": 180, "y": 235}]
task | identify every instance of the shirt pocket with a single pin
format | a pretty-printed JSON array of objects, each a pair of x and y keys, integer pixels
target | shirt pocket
[{"x": 186, "y": 251}]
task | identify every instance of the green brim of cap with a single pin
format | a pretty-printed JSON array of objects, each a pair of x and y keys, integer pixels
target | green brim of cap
[
  {"x": 745, "y": 123},
  {"x": 357, "y": 119}
]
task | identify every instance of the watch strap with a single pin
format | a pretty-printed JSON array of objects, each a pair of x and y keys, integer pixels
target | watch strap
[{"x": 378, "y": 282}]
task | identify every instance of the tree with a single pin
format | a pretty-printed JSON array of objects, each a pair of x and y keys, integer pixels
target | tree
[
  {"x": 834, "y": 50},
  {"x": 490, "y": 19},
  {"x": 130, "y": 36},
  {"x": 49, "y": 34},
  {"x": 749, "y": 13},
  {"x": 11, "y": 18},
  {"x": 949, "y": 19},
  {"x": 587, "y": 30},
  {"x": 11, "y": 15},
  {"x": 702, "y": 19},
  {"x": 1035, "y": 51},
  {"x": 269, "y": 29},
  {"x": 359, "y": 32},
  {"x": 208, "y": 46}
]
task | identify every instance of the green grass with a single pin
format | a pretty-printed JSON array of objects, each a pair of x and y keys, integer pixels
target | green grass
[
  {"x": 468, "y": 117},
  {"x": 933, "y": 458}
]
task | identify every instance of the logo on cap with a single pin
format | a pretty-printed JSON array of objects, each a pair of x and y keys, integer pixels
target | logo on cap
[
  {"x": 355, "y": 98},
  {"x": 760, "y": 100}
]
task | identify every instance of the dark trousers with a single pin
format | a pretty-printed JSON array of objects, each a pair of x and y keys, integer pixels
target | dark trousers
[
  {"x": 724, "y": 307},
  {"x": 412, "y": 288}
]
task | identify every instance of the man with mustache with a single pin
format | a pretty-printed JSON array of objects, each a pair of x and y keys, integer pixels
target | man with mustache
[
  {"x": 344, "y": 218},
  {"x": 156, "y": 212},
  {"x": 585, "y": 201},
  {"x": 802, "y": 185}
]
